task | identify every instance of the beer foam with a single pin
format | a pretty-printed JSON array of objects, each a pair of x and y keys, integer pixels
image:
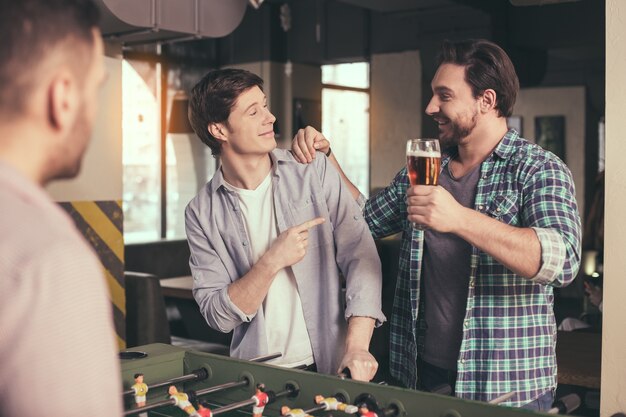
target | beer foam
[{"x": 424, "y": 154}]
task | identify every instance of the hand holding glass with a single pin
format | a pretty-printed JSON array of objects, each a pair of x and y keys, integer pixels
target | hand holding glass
[{"x": 423, "y": 161}]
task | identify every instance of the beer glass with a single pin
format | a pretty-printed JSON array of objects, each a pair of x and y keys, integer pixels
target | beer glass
[{"x": 423, "y": 160}]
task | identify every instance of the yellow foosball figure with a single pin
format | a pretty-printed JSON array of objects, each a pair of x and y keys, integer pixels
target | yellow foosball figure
[
  {"x": 141, "y": 389},
  {"x": 182, "y": 401},
  {"x": 332, "y": 403}
]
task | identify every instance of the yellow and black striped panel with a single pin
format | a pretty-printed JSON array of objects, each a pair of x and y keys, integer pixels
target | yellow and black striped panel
[{"x": 101, "y": 222}]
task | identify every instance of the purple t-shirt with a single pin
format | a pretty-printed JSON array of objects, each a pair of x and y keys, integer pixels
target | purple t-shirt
[{"x": 446, "y": 278}]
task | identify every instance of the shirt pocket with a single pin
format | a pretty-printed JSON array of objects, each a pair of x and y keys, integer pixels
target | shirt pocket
[
  {"x": 504, "y": 208},
  {"x": 307, "y": 209}
]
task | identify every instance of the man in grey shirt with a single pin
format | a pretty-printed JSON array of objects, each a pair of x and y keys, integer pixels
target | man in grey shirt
[{"x": 267, "y": 236}]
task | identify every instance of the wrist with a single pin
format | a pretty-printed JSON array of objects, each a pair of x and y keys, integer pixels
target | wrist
[{"x": 268, "y": 264}]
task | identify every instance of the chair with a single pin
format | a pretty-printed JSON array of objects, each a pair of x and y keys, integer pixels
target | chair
[{"x": 146, "y": 316}]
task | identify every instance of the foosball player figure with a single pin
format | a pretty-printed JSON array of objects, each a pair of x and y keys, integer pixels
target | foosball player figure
[
  {"x": 141, "y": 389},
  {"x": 295, "y": 412},
  {"x": 181, "y": 400},
  {"x": 261, "y": 399},
  {"x": 204, "y": 410},
  {"x": 332, "y": 403},
  {"x": 364, "y": 411}
]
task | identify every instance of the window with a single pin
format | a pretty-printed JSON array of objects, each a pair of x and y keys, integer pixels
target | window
[
  {"x": 345, "y": 118},
  {"x": 156, "y": 194},
  {"x": 141, "y": 153}
]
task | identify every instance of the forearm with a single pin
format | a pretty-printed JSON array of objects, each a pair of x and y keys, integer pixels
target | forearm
[
  {"x": 248, "y": 292},
  {"x": 516, "y": 248},
  {"x": 360, "y": 330},
  {"x": 357, "y": 358}
]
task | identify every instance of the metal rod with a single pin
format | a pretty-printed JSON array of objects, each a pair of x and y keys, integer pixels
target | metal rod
[
  {"x": 206, "y": 391},
  {"x": 234, "y": 406},
  {"x": 152, "y": 406},
  {"x": 502, "y": 398},
  {"x": 314, "y": 409},
  {"x": 251, "y": 401},
  {"x": 222, "y": 387},
  {"x": 198, "y": 374},
  {"x": 266, "y": 358}
]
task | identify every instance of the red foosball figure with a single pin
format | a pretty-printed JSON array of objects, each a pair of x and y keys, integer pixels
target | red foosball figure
[
  {"x": 181, "y": 400},
  {"x": 364, "y": 411},
  {"x": 140, "y": 389},
  {"x": 261, "y": 399},
  {"x": 293, "y": 412},
  {"x": 204, "y": 410}
]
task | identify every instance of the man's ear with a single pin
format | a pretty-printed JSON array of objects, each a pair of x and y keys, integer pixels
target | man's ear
[
  {"x": 488, "y": 100},
  {"x": 218, "y": 131},
  {"x": 63, "y": 100}
]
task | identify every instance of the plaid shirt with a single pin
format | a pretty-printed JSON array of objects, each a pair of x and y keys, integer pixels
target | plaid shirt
[{"x": 509, "y": 330}]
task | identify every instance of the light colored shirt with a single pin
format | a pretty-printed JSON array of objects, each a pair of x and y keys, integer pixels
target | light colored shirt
[
  {"x": 220, "y": 254},
  {"x": 509, "y": 329},
  {"x": 56, "y": 328},
  {"x": 282, "y": 306}
]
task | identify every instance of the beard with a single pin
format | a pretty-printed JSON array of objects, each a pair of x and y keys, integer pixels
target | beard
[
  {"x": 458, "y": 131},
  {"x": 70, "y": 156}
]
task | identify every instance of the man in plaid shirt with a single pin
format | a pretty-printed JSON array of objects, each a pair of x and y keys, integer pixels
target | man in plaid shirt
[{"x": 503, "y": 230}]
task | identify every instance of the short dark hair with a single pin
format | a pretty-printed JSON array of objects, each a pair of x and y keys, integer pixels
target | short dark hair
[
  {"x": 29, "y": 31},
  {"x": 213, "y": 98},
  {"x": 487, "y": 66},
  {"x": 137, "y": 375}
]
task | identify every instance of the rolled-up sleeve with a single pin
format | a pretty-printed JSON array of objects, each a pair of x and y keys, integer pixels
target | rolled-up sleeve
[
  {"x": 210, "y": 279},
  {"x": 386, "y": 212},
  {"x": 356, "y": 253},
  {"x": 550, "y": 209}
]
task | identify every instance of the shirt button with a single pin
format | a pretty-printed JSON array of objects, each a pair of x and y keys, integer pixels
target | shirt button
[
  {"x": 306, "y": 201},
  {"x": 485, "y": 176},
  {"x": 462, "y": 361},
  {"x": 472, "y": 283},
  {"x": 244, "y": 243},
  {"x": 480, "y": 207},
  {"x": 466, "y": 323},
  {"x": 356, "y": 217},
  {"x": 498, "y": 210},
  {"x": 236, "y": 208}
]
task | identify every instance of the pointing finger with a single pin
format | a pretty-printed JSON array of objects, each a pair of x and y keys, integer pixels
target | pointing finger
[{"x": 310, "y": 223}]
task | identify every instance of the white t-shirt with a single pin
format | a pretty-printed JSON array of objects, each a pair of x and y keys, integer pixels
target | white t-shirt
[{"x": 286, "y": 330}]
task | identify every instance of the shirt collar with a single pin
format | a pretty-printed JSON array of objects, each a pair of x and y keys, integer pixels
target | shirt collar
[
  {"x": 508, "y": 145},
  {"x": 11, "y": 178},
  {"x": 278, "y": 156}
]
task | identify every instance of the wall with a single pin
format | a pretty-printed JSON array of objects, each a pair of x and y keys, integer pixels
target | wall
[
  {"x": 559, "y": 101},
  {"x": 613, "y": 335},
  {"x": 395, "y": 112}
]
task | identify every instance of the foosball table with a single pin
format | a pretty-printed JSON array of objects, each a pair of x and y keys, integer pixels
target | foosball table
[{"x": 229, "y": 387}]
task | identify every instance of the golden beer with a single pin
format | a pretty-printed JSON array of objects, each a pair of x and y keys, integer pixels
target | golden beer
[{"x": 423, "y": 167}]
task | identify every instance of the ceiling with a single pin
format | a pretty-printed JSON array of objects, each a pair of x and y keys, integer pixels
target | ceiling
[{"x": 386, "y": 6}]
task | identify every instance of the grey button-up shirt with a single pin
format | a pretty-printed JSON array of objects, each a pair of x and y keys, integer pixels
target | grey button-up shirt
[{"x": 220, "y": 254}]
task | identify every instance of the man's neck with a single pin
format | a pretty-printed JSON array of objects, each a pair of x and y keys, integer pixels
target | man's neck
[
  {"x": 481, "y": 143},
  {"x": 19, "y": 149},
  {"x": 246, "y": 172}
]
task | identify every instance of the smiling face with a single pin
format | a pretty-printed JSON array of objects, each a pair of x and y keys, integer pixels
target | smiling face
[
  {"x": 250, "y": 126},
  {"x": 453, "y": 106}
]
